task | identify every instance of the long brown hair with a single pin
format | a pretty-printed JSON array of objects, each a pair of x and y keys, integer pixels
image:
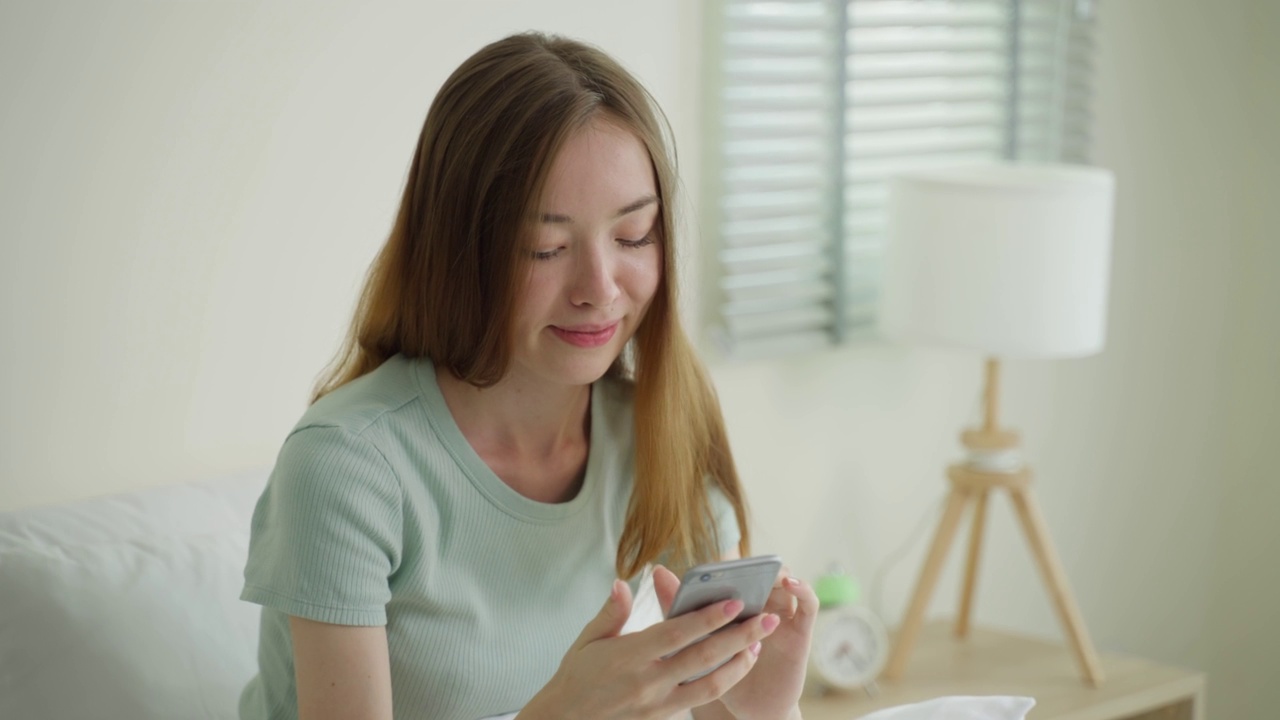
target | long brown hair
[{"x": 444, "y": 284}]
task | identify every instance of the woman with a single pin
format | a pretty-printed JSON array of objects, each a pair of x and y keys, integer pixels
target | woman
[{"x": 483, "y": 460}]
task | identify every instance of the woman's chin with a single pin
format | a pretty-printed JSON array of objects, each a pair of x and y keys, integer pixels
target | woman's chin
[{"x": 580, "y": 367}]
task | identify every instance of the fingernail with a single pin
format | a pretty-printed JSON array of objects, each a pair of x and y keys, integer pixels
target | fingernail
[
  {"x": 770, "y": 622},
  {"x": 733, "y": 607},
  {"x": 755, "y": 648},
  {"x": 792, "y": 582}
]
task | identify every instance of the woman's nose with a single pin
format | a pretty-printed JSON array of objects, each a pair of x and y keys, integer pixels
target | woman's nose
[{"x": 595, "y": 282}]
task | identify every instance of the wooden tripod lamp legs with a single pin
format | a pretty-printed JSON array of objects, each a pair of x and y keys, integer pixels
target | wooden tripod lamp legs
[
  {"x": 971, "y": 566},
  {"x": 965, "y": 488},
  {"x": 1055, "y": 578}
]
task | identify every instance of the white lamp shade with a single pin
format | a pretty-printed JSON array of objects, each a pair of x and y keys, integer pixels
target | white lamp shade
[{"x": 1012, "y": 260}]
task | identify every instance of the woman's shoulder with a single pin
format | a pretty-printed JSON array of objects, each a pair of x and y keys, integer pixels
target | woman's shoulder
[
  {"x": 350, "y": 434},
  {"x": 371, "y": 398}
]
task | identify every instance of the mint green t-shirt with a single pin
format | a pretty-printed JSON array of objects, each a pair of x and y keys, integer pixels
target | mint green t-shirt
[{"x": 378, "y": 512}]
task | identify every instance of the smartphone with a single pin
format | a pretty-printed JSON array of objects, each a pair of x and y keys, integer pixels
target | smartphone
[{"x": 748, "y": 579}]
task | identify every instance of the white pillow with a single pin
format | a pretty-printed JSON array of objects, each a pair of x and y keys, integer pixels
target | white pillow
[
  {"x": 127, "y": 606},
  {"x": 137, "y": 629},
  {"x": 959, "y": 707}
]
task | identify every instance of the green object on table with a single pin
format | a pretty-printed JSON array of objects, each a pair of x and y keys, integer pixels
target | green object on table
[{"x": 836, "y": 589}]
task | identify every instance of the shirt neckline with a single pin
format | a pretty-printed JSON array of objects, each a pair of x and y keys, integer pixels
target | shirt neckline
[{"x": 484, "y": 479}]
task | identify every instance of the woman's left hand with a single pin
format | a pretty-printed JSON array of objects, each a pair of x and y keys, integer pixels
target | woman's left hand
[{"x": 771, "y": 690}]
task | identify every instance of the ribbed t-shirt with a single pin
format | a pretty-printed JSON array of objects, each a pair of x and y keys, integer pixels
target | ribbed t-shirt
[{"x": 379, "y": 512}]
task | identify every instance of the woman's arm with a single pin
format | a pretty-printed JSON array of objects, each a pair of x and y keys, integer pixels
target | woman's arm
[{"x": 343, "y": 671}]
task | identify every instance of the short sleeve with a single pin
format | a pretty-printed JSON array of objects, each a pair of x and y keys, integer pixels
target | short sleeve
[
  {"x": 327, "y": 531},
  {"x": 728, "y": 534}
]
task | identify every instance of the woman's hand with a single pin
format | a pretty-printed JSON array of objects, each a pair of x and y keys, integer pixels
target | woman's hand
[
  {"x": 607, "y": 676},
  {"x": 771, "y": 690}
]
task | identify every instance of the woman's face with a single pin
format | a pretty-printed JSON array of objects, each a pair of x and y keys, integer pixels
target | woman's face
[{"x": 596, "y": 258}]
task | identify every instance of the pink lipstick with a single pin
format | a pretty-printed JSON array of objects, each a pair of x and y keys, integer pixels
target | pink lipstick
[{"x": 586, "y": 336}]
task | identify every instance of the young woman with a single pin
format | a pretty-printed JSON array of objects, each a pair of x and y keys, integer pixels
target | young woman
[{"x": 516, "y": 421}]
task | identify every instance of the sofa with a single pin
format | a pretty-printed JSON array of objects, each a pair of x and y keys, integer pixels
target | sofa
[{"x": 126, "y": 607}]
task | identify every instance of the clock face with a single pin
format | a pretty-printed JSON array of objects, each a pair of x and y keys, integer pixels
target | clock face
[{"x": 849, "y": 649}]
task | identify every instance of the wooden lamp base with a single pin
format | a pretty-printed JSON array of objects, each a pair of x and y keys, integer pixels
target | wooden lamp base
[{"x": 993, "y": 465}]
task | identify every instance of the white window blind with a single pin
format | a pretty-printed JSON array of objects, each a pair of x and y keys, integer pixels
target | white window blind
[{"x": 818, "y": 102}]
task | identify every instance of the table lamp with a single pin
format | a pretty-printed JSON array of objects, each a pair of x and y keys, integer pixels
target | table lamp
[{"x": 1013, "y": 261}]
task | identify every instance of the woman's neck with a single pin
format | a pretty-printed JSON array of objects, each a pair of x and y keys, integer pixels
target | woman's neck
[{"x": 525, "y": 422}]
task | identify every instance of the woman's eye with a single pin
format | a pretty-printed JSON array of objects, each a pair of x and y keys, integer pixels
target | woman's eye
[
  {"x": 646, "y": 240},
  {"x": 546, "y": 254}
]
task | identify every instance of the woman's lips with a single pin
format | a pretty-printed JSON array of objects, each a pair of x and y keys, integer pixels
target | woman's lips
[{"x": 586, "y": 338}]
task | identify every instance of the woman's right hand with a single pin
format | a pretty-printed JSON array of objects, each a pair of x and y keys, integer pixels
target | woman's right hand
[{"x": 607, "y": 676}]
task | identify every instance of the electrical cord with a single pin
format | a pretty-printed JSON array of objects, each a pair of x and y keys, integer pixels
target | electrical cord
[
  {"x": 876, "y": 599},
  {"x": 877, "y": 582}
]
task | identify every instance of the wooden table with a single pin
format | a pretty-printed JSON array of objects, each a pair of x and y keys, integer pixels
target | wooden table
[{"x": 993, "y": 662}]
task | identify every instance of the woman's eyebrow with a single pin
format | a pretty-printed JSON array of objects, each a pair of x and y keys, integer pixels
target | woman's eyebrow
[{"x": 643, "y": 202}]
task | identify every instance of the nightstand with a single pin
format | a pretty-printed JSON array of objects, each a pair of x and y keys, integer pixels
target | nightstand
[{"x": 993, "y": 662}]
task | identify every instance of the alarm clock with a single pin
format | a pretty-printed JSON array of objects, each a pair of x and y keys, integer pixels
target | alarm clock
[{"x": 850, "y": 644}]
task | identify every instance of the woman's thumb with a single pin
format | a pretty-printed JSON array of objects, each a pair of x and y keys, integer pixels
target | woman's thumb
[{"x": 609, "y": 621}]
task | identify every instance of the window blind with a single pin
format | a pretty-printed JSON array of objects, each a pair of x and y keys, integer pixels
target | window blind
[{"x": 819, "y": 102}]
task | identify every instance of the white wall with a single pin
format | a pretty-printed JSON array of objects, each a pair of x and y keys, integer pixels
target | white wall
[{"x": 189, "y": 194}]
